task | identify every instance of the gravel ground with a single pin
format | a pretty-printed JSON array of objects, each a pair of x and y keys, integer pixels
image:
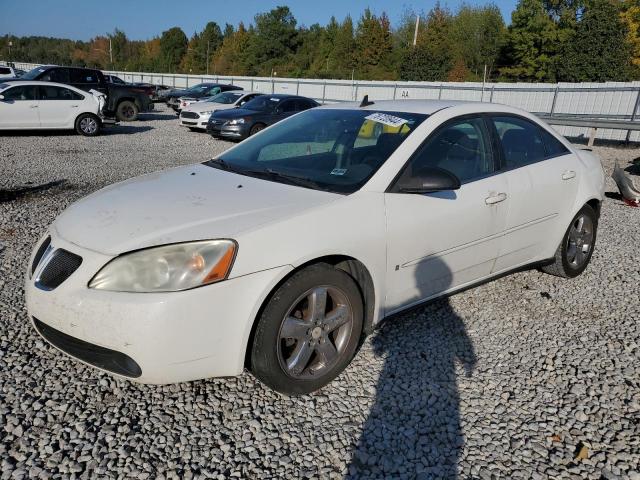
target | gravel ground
[{"x": 529, "y": 376}]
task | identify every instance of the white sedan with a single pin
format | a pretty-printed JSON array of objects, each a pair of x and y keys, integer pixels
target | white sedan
[
  {"x": 48, "y": 105},
  {"x": 283, "y": 252},
  {"x": 195, "y": 115}
]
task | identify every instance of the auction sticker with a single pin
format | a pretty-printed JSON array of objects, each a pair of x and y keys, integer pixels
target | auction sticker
[{"x": 385, "y": 119}]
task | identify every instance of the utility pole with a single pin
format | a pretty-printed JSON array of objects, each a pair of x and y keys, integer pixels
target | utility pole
[
  {"x": 10, "y": 45},
  {"x": 110, "y": 53},
  {"x": 484, "y": 80},
  {"x": 208, "y": 44},
  {"x": 415, "y": 33}
]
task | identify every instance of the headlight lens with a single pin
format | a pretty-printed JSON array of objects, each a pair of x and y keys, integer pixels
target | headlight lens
[
  {"x": 169, "y": 268},
  {"x": 236, "y": 121},
  {"x": 206, "y": 112}
]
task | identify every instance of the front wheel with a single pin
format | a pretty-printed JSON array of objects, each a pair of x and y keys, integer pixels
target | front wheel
[
  {"x": 127, "y": 111},
  {"x": 309, "y": 330},
  {"x": 87, "y": 125},
  {"x": 256, "y": 128},
  {"x": 575, "y": 250}
]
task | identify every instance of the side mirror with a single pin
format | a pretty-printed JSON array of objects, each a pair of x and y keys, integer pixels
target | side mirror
[
  {"x": 1, "y": 97},
  {"x": 428, "y": 180}
]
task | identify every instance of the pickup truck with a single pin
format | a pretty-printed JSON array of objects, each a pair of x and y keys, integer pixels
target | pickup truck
[{"x": 123, "y": 102}]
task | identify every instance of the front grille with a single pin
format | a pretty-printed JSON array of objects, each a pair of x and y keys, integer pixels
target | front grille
[
  {"x": 38, "y": 256},
  {"x": 215, "y": 121},
  {"x": 189, "y": 115},
  {"x": 96, "y": 355},
  {"x": 59, "y": 267}
]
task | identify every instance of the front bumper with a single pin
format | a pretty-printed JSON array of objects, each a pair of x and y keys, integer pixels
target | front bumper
[
  {"x": 228, "y": 131},
  {"x": 170, "y": 337},
  {"x": 200, "y": 122}
]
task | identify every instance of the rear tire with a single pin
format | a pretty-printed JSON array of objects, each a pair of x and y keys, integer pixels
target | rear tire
[
  {"x": 256, "y": 128},
  {"x": 309, "y": 330},
  {"x": 88, "y": 125},
  {"x": 574, "y": 252},
  {"x": 127, "y": 111}
]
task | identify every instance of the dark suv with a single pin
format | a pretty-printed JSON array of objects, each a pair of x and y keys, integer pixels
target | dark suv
[{"x": 123, "y": 101}]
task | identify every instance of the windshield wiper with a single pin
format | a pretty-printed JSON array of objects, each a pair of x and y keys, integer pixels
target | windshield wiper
[
  {"x": 219, "y": 163},
  {"x": 275, "y": 175}
]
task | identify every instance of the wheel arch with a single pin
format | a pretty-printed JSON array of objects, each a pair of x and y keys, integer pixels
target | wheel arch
[{"x": 352, "y": 267}]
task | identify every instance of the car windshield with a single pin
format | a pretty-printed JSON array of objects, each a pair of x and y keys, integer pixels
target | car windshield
[
  {"x": 226, "y": 98},
  {"x": 32, "y": 74},
  {"x": 197, "y": 88},
  {"x": 336, "y": 150},
  {"x": 264, "y": 103}
]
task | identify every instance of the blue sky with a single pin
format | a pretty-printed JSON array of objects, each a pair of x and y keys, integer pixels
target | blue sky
[{"x": 143, "y": 19}]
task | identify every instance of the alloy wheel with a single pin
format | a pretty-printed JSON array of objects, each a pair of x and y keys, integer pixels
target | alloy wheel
[{"x": 580, "y": 241}]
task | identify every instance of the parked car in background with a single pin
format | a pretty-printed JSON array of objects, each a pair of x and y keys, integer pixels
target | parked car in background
[
  {"x": 283, "y": 252},
  {"x": 196, "y": 92},
  {"x": 195, "y": 115},
  {"x": 147, "y": 88},
  {"x": 253, "y": 116},
  {"x": 123, "y": 102},
  {"x": 48, "y": 105},
  {"x": 9, "y": 72}
]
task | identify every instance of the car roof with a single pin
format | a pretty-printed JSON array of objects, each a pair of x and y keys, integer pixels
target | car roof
[{"x": 42, "y": 84}]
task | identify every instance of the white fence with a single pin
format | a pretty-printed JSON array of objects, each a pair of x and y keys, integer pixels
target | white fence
[{"x": 611, "y": 100}]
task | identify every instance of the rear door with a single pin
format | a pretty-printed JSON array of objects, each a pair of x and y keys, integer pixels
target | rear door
[
  {"x": 58, "y": 106},
  {"x": 19, "y": 107},
  {"x": 542, "y": 181}
]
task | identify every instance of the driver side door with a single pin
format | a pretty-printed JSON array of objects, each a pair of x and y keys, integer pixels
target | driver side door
[
  {"x": 444, "y": 240},
  {"x": 19, "y": 107}
]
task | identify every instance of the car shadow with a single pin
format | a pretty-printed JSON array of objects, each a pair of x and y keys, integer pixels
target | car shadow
[
  {"x": 157, "y": 116},
  {"x": 414, "y": 427},
  {"x": 125, "y": 129}
]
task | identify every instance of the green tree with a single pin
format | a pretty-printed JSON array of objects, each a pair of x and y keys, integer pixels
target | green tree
[
  {"x": 173, "y": 46},
  {"x": 341, "y": 59},
  {"x": 478, "y": 35},
  {"x": 598, "y": 51},
  {"x": 274, "y": 42},
  {"x": 532, "y": 44},
  {"x": 432, "y": 58},
  {"x": 374, "y": 47}
]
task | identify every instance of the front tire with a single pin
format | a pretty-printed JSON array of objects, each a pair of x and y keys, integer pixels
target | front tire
[
  {"x": 574, "y": 252},
  {"x": 256, "y": 128},
  {"x": 127, "y": 111},
  {"x": 309, "y": 330},
  {"x": 87, "y": 125}
]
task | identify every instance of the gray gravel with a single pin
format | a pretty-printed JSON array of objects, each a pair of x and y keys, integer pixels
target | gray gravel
[{"x": 529, "y": 376}]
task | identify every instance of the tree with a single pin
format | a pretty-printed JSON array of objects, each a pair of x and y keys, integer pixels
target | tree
[
  {"x": 374, "y": 47},
  {"x": 598, "y": 50},
  {"x": 432, "y": 57},
  {"x": 532, "y": 44},
  {"x": 341, "y": 59},
  {"x": 630, "y": 14},
  {"x": 173, "y": 46},
  {"x": 231, "y": 57},
  {"x": 274, "y": 41},
  {"x": 478, "y": 34}
]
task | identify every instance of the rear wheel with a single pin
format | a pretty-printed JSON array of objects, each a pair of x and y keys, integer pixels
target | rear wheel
[
  {"x": 575, "y": 250},
  {"x": 88, "y": 125},
  {"x": 256, "y": 128},
  {"x": 127, "y": 111},
  {"x": 309, "y": 330}
]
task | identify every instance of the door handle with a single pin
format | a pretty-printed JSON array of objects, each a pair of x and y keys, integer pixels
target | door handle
[
  {"x": 74, "y": 106},
  {"x": 568, "y": 175},
  {"x": 497, "y": 198},
  {"x": 33, "y": 106}
]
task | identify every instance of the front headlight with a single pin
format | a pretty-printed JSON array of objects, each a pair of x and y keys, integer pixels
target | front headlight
[
  {"x": 169, "y": 268},
  {"x": 208, "y": 112},
  {"x": 236, "y": 121}
]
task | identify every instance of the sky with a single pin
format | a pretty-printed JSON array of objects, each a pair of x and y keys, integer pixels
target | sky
[{"x": 144, "y": 19}]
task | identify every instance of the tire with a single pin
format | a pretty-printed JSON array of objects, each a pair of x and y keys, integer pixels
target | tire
[
  {"x": 574, "y": 252},
  {"x": 127, "y": 111},
  {"x": 322, "y": 341},
  {"x": 256, "y": 128},
  {"x": 191, "y": 129},
  {"x": 88, "y": 125}
]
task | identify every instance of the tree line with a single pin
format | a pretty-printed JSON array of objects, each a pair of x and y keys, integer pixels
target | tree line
[{"x": 546, "y": 41}]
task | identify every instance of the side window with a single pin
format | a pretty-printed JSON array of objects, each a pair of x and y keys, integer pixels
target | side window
[
  {"x": 83, "y": 76},
  {"x": 462, "y": 147},
  {"x": 302, "y": 104},
  {"x": 5, "y": 70},
  {"x": 60, "y": 75},
  {"x": 214, "y": 91},
  {"x": 23, "y": 92},
  {"x": 554, "y": 147},
  {"x": 521, "y": 141},
  {"x": 58, "y": 93},
  {"x": 288, "y": 106}
]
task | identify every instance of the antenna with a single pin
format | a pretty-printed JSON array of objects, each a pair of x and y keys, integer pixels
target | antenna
[{"x": 365, "y": 102}]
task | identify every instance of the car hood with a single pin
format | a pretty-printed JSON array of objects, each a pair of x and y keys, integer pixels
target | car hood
[
  {"x": 196, "y": 202},
  {"x": 204, "y": 106}
]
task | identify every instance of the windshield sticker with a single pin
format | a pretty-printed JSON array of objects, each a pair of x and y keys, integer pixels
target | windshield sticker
[
  {"x": 338, "y": 171},
  {"x": 274, "y": 99},
  {"x": 386, "y": 119}
]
